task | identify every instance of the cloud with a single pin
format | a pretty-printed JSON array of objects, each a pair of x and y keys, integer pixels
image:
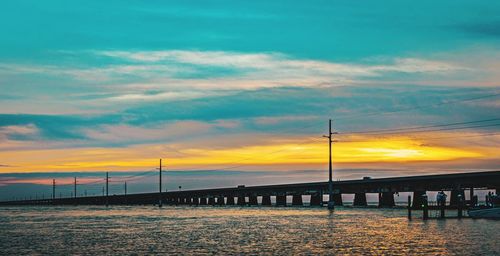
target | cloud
[
  {"x": 164, "y": 96},
  {"x": 270, "y": 111},
  {"x": 18, "y": 132},
  {"x": 173, "y": 75},
  {"x": 278, "y": 63}
]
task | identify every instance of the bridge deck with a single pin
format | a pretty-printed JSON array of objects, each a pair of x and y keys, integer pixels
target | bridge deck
[{"x": 456, "y": 181}]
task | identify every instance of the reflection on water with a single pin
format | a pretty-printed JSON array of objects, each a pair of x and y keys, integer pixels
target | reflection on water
[{"x": 234, "y": 230}]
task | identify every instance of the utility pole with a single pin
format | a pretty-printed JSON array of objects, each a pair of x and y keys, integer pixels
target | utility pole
[
  {"x": 107, "y": 189},
  {"x": 331, "y": 203},
  {"x": 53, "y": 189},
  {"x": 159, "y": 200},
  {"x": 75, "y": 188}
]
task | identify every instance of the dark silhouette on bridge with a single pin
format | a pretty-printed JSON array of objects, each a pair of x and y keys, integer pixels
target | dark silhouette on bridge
[{"x": 386, "y": 188}]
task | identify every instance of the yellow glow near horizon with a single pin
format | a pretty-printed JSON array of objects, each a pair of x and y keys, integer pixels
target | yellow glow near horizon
[{"x": 285, "y": 153}]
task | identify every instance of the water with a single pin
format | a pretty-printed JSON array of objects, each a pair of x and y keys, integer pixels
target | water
[{"x": 125, "y": 230}]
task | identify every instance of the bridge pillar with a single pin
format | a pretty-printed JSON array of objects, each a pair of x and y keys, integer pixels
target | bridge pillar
[
  {"x": 316, "y": 199},
  {"x": 230, "y": 200},
  {"x": 417, "y": 199},
  {"x": 471, "y": 196},
  {"x": 220, "y": 200},
  {"x": 241, "y": 200},
  {"x": 337, "y": 199},
  {"x": 454, "y": 196},
  {"x": 297, "y": 200},
  {"x": 211, "y": 200},
  {"x": 386, "y": 199},
  {"x": 281, "y": 200},
  {"x": 203, "y": 201},
  {"x": 266, "y": 200},
  {"x": 195, "y": 201},
  {"x": 360, "y": 199}
]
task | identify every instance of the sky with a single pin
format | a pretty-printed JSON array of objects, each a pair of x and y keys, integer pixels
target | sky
[{"x": 240, "y": 92}]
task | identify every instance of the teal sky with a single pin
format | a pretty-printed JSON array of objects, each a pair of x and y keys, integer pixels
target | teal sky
[
  {"x": 321, "y": 30},
  {"x": 229, "y": 74}
]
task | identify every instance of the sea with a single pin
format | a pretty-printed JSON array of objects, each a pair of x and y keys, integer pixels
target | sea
[{"x": 231, "y": 230}]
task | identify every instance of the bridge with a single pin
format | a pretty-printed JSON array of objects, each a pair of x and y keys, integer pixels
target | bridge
[{"x": 457, "y": 183}]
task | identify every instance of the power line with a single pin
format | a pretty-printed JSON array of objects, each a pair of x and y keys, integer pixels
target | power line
[
  {"x": 351, "y": 116},
  {"x": 442, "y": 129},
  {"x": 441, "y": 137},
  {"x": 139, "y": 177},
  {"x": 421, "y": 127},
  {"x": 418, "y": 131},
  {"x": 373, "y": 113},
  {"x": 131, "y": 177}
]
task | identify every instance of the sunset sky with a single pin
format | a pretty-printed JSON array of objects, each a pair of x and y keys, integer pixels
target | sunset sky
[{"x": 244, "y": 90}]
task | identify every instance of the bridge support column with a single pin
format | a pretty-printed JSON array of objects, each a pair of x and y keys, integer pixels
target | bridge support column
[
  {"x": 281, "y": 200},
  {"x": 211, "y": 200},
  {"x": 241, "y": 200},
  {"x": 230, "y": 200},
  {"x": 417, "y": 199},
  {"x": 455, "y": 194},
  {"x": 386, "y": 199},
  {"x": 203, "y": 201},
  {"x": 360, "y": 199},
  {"x": 316, "y": 199},
  {"x": 473, "y": 198},
  {"x": 266, "y": 200},
  {"x": 297, "y": 200},
  {"x": 195, "y": 201},
  {"x": 337, "y": 199}
]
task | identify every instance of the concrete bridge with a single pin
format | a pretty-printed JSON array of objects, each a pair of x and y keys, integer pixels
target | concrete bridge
[{"x": 251, "y": 195}]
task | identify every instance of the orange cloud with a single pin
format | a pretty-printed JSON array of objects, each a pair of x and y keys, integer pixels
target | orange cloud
[{"x": 273, "y": 153}]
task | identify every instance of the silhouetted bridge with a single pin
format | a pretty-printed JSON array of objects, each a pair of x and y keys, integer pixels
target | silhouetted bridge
[{"x": 261, "y": 195}]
